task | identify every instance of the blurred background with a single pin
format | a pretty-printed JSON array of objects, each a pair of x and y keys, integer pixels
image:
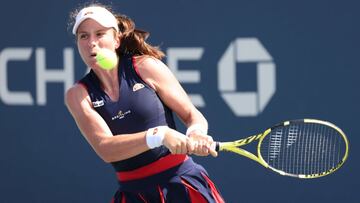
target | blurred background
[{"x": 247, "y": 65}]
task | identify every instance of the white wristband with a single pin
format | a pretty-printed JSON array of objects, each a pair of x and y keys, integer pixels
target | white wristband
[
  {"x": 155, "y": 136},
  {"x": 198, "y": 127}
]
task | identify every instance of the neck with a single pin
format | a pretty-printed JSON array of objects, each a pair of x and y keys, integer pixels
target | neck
[{"x": 109, "y": 81}]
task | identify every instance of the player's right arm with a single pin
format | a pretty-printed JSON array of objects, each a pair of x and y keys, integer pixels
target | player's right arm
[{"x": 95, "y": 130}]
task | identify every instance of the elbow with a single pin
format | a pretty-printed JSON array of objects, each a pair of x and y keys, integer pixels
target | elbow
[
  {"x": 105, "y": 152},
  {"x": 106, "y": 156}
]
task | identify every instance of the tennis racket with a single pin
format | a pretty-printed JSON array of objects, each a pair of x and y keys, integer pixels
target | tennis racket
[{"x": 304, "y": 148}]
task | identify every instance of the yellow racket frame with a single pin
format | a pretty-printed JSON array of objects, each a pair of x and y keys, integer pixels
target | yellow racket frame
[{"x": 234, "y": 147}]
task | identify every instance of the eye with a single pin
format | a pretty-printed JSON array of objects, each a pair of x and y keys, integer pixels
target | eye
[
  {"x": 82, "y": 36},
  {"x": 100, "y": 34}
]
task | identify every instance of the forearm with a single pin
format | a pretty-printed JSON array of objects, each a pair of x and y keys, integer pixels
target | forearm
[
  {"x": 196, "y": 121},
  {"x": 121, "y": 147}
]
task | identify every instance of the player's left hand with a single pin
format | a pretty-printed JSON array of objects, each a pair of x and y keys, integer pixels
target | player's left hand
[{"x": 201, "y": 144}]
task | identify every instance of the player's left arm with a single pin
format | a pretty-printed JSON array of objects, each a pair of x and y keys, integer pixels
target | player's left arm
[{"x": 159, "y": 77}]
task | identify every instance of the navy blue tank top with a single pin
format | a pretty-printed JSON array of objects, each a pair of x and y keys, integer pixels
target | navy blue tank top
[{"x": 137, "y": 109}]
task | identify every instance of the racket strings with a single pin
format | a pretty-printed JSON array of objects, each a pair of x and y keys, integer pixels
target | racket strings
[{"x": 303, "y": 148}]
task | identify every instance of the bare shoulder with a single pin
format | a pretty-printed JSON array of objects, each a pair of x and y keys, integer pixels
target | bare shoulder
[
  {"x": 75, "y": 95},
  {"x": 148, "y": 63},
  {"x": 152, "y": 70}
]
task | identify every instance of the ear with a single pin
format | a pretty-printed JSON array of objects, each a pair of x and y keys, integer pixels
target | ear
[{"x": 117, "y": 40}]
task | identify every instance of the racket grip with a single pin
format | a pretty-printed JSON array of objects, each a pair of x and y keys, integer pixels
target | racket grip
[{"x": 215, "y": 146}]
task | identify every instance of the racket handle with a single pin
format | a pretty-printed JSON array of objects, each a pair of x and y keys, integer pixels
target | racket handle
[{"x": 215, "y": 146}]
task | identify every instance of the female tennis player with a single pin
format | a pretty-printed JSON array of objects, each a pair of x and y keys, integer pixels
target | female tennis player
[{"x": 125, "y": 114}]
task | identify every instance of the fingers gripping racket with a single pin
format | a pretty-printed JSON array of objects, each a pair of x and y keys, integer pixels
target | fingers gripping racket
[{"x": 305, "y": 148}]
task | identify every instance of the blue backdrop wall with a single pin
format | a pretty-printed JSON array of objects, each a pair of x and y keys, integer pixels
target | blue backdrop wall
[{"x": 283, "y": 59}]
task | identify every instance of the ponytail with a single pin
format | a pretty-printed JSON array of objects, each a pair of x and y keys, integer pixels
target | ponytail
[{"x": 133, "y": 41}]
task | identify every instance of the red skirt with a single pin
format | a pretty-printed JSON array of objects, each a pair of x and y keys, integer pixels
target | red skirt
[{"x": 174, "y": 178}]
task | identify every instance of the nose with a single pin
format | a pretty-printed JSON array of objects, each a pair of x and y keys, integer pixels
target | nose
[{"x": 92, "y": 41}]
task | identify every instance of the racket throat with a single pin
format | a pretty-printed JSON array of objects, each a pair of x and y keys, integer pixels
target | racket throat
[{"x": 246, "y": 154}]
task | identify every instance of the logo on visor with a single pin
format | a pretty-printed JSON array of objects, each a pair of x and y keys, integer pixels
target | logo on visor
[{"x": 89, "y": 12}]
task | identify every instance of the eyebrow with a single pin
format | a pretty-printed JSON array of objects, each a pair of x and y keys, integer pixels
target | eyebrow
[{"x": 99, "y": 30}]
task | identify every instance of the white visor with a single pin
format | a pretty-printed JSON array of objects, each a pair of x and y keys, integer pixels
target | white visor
[{"x": 101, "y": 15}]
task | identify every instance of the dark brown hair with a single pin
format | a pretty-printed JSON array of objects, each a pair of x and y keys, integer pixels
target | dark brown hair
[{"x": 132, "y": 40}]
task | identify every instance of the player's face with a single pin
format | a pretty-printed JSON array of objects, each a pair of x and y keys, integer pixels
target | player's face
[{"x": 91, "y": 37}]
